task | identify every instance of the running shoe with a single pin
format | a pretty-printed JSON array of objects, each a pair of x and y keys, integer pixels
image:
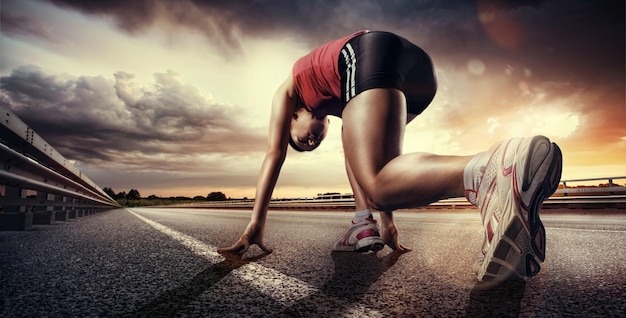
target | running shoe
[
  {"x": 519, "y": 176},
  {"x": 361, "y": 237}
]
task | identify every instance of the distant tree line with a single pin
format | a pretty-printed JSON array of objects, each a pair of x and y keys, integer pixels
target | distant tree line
[{"x": 133, "y": 194}]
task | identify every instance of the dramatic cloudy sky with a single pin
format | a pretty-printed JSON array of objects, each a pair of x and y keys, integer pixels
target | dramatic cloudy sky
[{"x": 173, "y": 97}]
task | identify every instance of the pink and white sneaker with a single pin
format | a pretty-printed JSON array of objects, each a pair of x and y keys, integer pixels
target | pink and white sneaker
[
  {"x": 361, "y": 237},
  {"x": 519, "y": 176}
]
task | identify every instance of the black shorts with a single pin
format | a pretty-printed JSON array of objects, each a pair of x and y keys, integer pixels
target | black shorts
[{"x": 384, "y": 60}]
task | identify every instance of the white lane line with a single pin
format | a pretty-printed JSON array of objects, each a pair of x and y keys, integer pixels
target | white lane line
[
  {"x": 288, "y": 290},
  {"x": 282, "y": 288},
  {"x": 189, "y": 242},
  {"x": 273, "y": 283}
]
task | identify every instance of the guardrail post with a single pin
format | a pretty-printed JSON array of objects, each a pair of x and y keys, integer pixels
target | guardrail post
[
  {"x": 15, "y": 217},
  {"x": 68, "y": 208},
  {"x": 80, "y": 211},
  {"x": 60, "y": 213},
  {"x": 44, "y": 214},
  {"x": 42, "y": 198},
  {"x": 71, "y": 214}
]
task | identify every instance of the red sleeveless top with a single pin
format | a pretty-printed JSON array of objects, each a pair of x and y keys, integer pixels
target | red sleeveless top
[{"x": 316, "y": 77}]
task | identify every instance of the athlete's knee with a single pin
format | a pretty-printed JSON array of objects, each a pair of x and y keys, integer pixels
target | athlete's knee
[
  {"x": 381, "y": 203},
  {"x": 374, "y": 204},
  {"x": 378, "y": 198}
]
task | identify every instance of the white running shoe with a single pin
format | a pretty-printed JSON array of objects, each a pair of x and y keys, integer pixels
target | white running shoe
[
  {"x": 361, "y": 237},
  {"x": 520, "y": 175}
]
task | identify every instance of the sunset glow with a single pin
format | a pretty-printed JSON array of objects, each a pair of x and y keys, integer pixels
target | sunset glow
[{"x": 140, "y": 97}]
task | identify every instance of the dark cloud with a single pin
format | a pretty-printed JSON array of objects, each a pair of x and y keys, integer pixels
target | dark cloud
[
  {"x": 576, "y": 40},
  {"x": 313, "y": 22},
  {"x": 19, "y": 19},
  {"x": 98, "y": 119},
  {"x": 23, "y": 26}
]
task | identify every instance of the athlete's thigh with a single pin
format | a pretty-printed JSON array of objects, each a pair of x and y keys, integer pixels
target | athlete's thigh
[{"x": 373, "y": 130}]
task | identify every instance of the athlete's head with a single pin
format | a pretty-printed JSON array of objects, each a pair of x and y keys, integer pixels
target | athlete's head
[{"x": 307, "y": 130}]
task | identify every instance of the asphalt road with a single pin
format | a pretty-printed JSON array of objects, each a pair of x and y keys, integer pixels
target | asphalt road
[{"x": 163, "y": 263}]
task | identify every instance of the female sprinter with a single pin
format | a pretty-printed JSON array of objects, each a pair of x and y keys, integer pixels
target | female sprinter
[{"x": 377, "y": 82}]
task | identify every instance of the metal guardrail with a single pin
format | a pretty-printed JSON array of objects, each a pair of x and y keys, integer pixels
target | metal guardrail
[
  {"x": 40, "y": 185},
  {"x": 607, "y": 189},
  {"x": 612, "y": 196},
  {"x": 609, "y": 201}
]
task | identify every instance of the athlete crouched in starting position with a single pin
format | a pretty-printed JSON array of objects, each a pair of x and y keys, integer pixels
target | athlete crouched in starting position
[{"x": 377, "y": 82}]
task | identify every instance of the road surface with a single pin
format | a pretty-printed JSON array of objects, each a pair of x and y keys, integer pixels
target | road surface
[{"x": 141, "y": 262}]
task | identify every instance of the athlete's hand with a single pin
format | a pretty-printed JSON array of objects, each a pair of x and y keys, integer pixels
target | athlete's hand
[
  {"x": 252, "y": 235},
  {"x": 389, "y": 233}
]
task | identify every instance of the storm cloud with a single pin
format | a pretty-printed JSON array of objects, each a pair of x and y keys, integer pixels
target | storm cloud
[
  {"x": 96, "y": 119},
  {"x": 557, "y": 31}
]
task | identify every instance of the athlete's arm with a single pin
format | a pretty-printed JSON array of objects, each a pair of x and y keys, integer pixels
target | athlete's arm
[{"x": 283, "y": 108}]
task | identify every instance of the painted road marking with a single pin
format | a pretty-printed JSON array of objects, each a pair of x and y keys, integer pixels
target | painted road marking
[{"x": 282, "y": 288}]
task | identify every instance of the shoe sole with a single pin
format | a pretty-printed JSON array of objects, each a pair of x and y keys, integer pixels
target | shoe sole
[
  {"x": 369, "y": 244},
  {"x": 363, "y": 245},
  {"x": 521, "y": 244}
]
